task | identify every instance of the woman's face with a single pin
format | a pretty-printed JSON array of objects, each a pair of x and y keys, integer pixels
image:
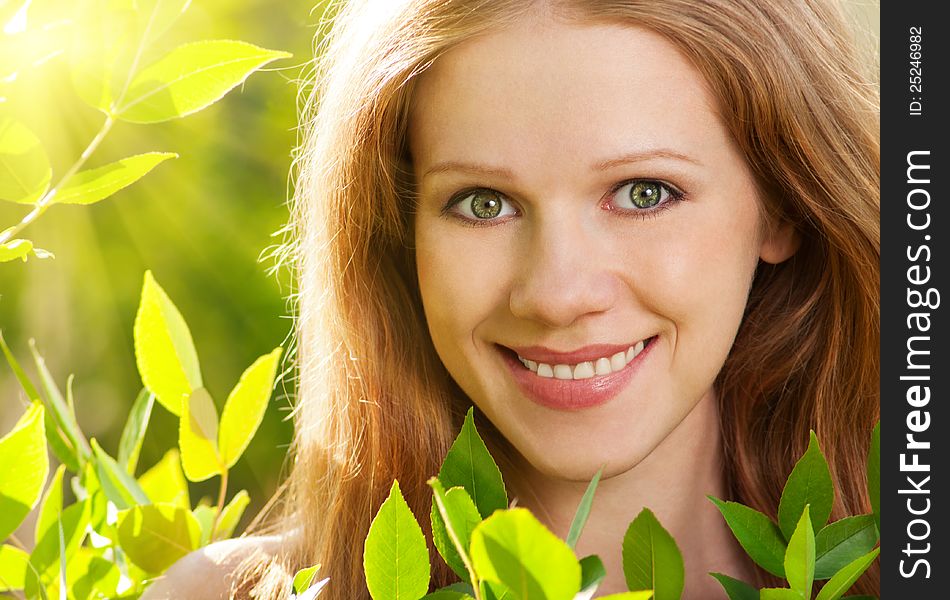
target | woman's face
[{"x": 586, "y": 236}]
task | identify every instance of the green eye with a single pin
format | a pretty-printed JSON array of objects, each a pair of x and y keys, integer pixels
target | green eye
[
  {"x": 645, "y": 194},
  {"x": 486, "y": 204}
]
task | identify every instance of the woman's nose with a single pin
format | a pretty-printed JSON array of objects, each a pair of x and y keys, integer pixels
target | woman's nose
[{"x": 566, "y": 274}]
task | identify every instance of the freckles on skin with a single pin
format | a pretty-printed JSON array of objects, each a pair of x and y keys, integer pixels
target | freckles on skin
[{"x": 531, "y": 112}]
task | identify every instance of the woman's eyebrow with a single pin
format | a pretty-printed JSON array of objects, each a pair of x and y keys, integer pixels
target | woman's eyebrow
[
  {"x": 644, "y": 155},
  {"x": 464, "y": 167},
  {"x": 494, "y": 171}
]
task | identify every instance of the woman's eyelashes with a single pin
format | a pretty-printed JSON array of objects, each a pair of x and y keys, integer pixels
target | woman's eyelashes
[
  {"x": 480, "y": 206},
  {"x": 642, "y": 197},
  {"x": 637, "y": 197}
]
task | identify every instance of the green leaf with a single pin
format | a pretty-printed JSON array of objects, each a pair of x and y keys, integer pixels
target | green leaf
[
  {"x": 25, "y": 382},
  {"x": 456, "y": 509},
  {"x": 448, "y": 595},
  {"x": 757, "y": 534},
  {"x": 205, "y": 514},
  {"x": 874, "y": 474},
  {"x": 93, "y": 185},
  {"x": 24, "y": 168},
  {"x": 245, "y": 407},
  {"x": 164, "y": 350},
  {"x": 303, "y": 578},
  {"x": 800, "y": 556},
  {"x": 845, "y": 578},
  {"x": 165, "y": 482},
  {"x": 90, "y": 575},
  {"x": 119, "y": 487},
  {"x": 60, "y": 410},
  {"x": 469, "y": 465},
  {"x": 231, "y": 515},
  {"x": 641, "y": 595},
  {"x": 583, "y": 511},
  {"x": 735, "y": 588},
  {"x": 24, "y": 465},
  {"x": 15, "y": 249},
  {"x": 52, "y": 505},
  {"x": 154, "y": 536},
  {"x": 101, "y": 48},
  {"x": 513, "y": 548},
  {"x": 133, "y": 433},
  {"x": 809, "y": 483},
  {"x": 841, "y": 542},
  {"x": 197, "y": 437},
  {"x": 651, "y": 559},
  {"x": 395, "y": 557},
  {"x": 779, "y": 594},
  {"x": 592, "y": 574},
  {"x": 190, "y": 78},
  {"x": 156, "y": 16},
  {"x": 47, "y": 554},
  {"x": 13, "y": 566}
]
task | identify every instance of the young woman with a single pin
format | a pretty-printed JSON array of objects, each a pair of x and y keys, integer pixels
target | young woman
[{"x": 634, "y": 234}]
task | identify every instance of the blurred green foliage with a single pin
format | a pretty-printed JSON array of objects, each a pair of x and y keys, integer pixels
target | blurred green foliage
[{"x": 201, "y": 223}]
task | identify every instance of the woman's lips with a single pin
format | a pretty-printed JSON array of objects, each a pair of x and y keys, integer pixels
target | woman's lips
[{"x": 572, "y": 394}]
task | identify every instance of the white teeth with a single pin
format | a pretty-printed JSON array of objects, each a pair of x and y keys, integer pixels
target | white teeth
[
  {"x": 587, "y": 369},
  {"x": 618, "y": 361}
]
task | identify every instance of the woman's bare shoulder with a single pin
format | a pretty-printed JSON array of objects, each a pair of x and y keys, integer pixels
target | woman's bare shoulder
[{"x": 207, "y": 573}]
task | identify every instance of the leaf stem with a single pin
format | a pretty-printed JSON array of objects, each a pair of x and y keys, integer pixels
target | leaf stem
[
  {"x": 222, "y": 494},
  {"x": 46, "y": 201}
]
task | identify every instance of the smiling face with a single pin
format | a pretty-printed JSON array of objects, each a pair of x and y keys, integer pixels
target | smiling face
[{"x": 586, "y": 236}]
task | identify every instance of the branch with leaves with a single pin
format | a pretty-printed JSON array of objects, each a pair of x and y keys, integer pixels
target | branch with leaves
[
  {"x": 124, "y": 529},
  {"x": 109, "y": 47}
]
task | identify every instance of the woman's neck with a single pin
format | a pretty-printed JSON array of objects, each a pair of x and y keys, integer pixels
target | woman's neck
[{"x": 673, "y": 482}]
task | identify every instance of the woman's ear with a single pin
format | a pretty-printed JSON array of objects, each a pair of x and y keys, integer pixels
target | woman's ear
[{"x": 780, "y": 242}]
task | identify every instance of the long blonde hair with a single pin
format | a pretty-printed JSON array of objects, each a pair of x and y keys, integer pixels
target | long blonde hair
[{"x": 374, "y": 401}]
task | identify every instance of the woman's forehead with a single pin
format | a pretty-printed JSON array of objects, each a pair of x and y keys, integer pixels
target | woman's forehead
[{"x": 545, "y": 91}]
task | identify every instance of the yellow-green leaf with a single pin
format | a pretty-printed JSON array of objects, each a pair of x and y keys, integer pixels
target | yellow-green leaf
[
  {"x": 15, "y": 249},
  {"x": 641, "y": 595},
  {"x": 93, "y": 185},
  {"x": 164, "y": 350},
  {"x": 130, "y": 444},
  {"x": 197, "y": 437},
  {"x": 24, "y": 168},
  {"x": 90, "y": 575},
  {"x": 245, "y": 407},
  {"x": 165, "y": 483},
  {"x": 52, "y": 504},
  {"x": 231, "y": 515},
  {"x": 156, "y": 535},
  {"x": 190, "y": 78},
  {"x": 800, "y": 555},
  {"x": 156, "y": 16},
  {"x": 395, "y": 558},
  {"x": 25, "y": 465},
  {"x": 13, "y": 565},
  {"x": 101, "y": 47},
  {"x": 845, "y": 578},
  {"x": 119, "y": 487},
  {"x": 205, "y": 514},
  {"x": 72, "y": 524},
  {"x": 303, "y": 578},
  {"x": 513, "y": 548}
]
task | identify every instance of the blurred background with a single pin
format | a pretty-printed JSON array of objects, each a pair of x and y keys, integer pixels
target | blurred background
[{"x": 203, "y": 224}]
